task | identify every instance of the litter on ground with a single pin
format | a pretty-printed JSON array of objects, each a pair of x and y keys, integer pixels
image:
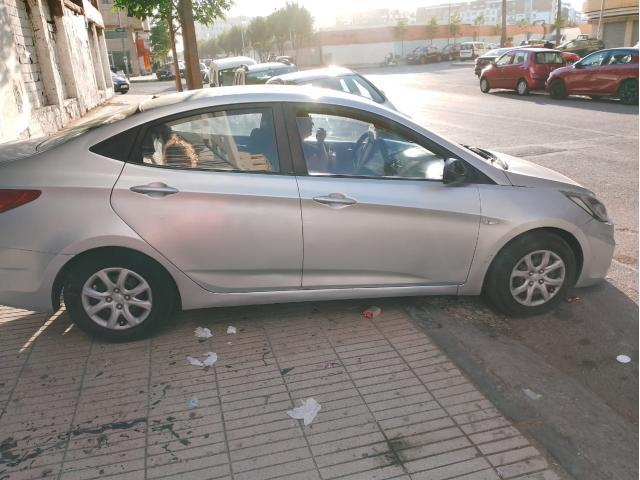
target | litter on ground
[
  {"x": 329, "y": 364},
  {"x": 192, "y": 403},
  {"x": 371, "y": 312},
  {"x": 531, "y": 394},
  {"x": 231, "y": 330},
  {"x": 210, "y": 359},
  {"x": 623, "y": 358},
  {"x": 203, "y": 333},
  {"x": 306, "y": 412}
]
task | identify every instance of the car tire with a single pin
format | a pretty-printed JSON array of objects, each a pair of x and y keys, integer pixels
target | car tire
[
  {"x": 423, "y": 60},
  {"x": 106, "y": 280},
  {"x": 628, "y": 92},
  {"x": 484, "y": 85},
  {"x": 510, "y": 284},
  {"x": 558, "y": 90},
  {"x": 522, "y": 87}
]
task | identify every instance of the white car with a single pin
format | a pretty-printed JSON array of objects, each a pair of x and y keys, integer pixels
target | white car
[{"x": 472, "y": 50}]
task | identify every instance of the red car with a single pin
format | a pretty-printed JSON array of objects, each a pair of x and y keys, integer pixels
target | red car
[
  {"x": 611, "y": 72},
  {"x": 521, "y": 69}
]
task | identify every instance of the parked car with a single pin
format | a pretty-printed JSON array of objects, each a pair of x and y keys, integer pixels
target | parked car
[
  {"x": 120, "y": 83},
  {"x": 334, "y": 78},
  {"x": 451, "y": 51},
  {"x": 200, "y": 199},
  {"x": 168, "y": 71},
  {"x": 424, "y": 54},
  {"x": 521, "y": 69},
  {"x": 484, "y": 60},
  {"x": 612, "y": 72},
  {"x": 261, "y": 72},
  {"x": 472, "y": 50},
  {"x": 222, "y": 71},
  {"x": 582, "y": 46}
]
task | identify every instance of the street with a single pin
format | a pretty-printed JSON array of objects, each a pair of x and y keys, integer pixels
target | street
[{"x": 570, "y": 354}]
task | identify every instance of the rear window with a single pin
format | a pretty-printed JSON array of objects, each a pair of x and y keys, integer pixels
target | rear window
[{"x": 545, "y": 58}]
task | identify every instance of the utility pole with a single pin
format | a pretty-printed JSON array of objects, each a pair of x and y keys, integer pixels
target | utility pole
[
  {"x": 599, "y": 33},
  {"x": 558, "y": 20},
  {"x": 449, "y": 26},
  {"x": 503, "y": 33},
  {"x": 191, "y": 61}
]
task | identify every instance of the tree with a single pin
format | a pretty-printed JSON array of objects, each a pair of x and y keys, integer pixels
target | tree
[
  {"x": 231, "y": 40},
  {"x": 160, "y": 40},
  {"x": 503, "y": 29},
  {"x": 400, "y": 31},
  {"x": 431, "y": 29},
  {"x": 479, "y": 20},
  {"x": 292, "y": 23},
  {"x": 209, "y": 47},
  {"x": 260, "y": 36},
  {"x": 454, "y": 25},
  {"x": 187, "y": 12}
]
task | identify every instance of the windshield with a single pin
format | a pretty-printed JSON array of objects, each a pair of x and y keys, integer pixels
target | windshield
[{"x": 65, "y": 136}]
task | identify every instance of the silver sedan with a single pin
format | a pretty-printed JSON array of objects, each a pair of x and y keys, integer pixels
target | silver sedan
[{"x": 250, "y": 195}]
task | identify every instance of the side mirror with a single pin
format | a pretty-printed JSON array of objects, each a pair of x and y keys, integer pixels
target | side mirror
[{"x": 454, "y": 172}]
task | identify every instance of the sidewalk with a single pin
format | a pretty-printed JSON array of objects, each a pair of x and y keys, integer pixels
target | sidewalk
[{"x": 393, "y": 405}]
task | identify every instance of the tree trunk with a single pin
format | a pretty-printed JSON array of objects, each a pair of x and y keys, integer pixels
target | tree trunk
[
  {"x": 192, "y": 63},
  {"x": 558, "y": 20},
  {"x": 176, "y": 65},
  {"x": 503, "y": 33}
]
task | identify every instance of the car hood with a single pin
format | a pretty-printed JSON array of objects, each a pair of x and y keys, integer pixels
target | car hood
[
  {"x": 523, "y": 173},
  {"x": 561, "y": 70}
]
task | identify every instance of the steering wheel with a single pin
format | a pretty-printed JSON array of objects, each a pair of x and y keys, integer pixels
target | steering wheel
[{"x": 365, "y": 147}]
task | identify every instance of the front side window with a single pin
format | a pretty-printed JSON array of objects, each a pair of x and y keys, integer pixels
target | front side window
[
  {"x": 505, "y": 59},
  {"x": 619, "y": 57},
  {"x": 594, "y": 60},
  {"x": 234, "y": 140},
  {"x": 341, "y": 145},
  {"x": 356, "y": 85},
  {"x": 519, "y": 58}
]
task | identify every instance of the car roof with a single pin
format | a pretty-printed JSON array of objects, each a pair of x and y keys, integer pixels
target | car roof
[
  {"x": 314, "y": 74},
  {"x": 230, "y": 62},
  {"x": 266, "y": 66}
]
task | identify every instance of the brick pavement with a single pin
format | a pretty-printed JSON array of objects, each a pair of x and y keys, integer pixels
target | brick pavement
[{"x": 393, "y": 405}]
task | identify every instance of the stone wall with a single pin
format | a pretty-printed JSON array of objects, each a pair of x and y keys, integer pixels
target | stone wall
[{"x": 55, "y": 65}]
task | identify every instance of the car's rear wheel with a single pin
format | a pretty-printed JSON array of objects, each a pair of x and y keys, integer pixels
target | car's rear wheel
[
  {"x": 423, "y": 60},
  {"x": 484, "y": 85},
  {"x": 118, "y": 297},
  {"x": 628, "y": 92},
  {"x": 531, "y": 275},
  {"x": 522, "y": 87},
  {"x": 558, "y": 90}
]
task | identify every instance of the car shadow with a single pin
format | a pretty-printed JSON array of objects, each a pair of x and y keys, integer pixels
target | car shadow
[
  {"x": 609, "y": 105},
  {"x": 431, "y": 67}
]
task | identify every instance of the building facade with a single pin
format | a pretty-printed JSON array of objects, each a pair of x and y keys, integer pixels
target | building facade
[
  {"x": 55, "y": 65},
  {"x": 127, "y": 38},
  {"x": 619, "y": 25}
]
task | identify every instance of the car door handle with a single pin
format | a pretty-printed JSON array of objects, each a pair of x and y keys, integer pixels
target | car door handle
[
  {"x": 335, "y": 199},
  {"x": 154, "y": 190}
]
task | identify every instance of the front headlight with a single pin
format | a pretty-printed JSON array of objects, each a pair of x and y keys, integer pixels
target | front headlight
[{"x": 590, "y": 204}]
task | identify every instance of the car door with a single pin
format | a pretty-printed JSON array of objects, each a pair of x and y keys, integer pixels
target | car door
[
  {"x": 583, "y": 78},
  {"x": 378, "y": 214},
  {"x": 516, "y": 70},
  {"x": 498, "y": 75},
  {"x": 212, "y": 191},
  {"x": 606, "y": 79}
]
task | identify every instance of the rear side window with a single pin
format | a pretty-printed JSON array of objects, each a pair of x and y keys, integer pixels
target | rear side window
[
  {"x": 620, "y": 57},
  {"x": 117, "y": 147},
  {"x": 233, "y": 140},
  {"x": 519, "y": 58},
  {"x": 543, "y": 58}
]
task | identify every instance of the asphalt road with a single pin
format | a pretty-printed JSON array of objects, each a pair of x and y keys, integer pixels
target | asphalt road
[{"x": 587, "y": 414}]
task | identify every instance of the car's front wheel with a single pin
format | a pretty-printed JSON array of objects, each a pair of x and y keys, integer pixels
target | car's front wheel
[
  {"x": 484, "y": 85},
  {"x": 531, "y": 275},
  {"x": 628, "y": 92},
  {"x": 118, "y": 297},
  {"x": 558, "y": 90}
]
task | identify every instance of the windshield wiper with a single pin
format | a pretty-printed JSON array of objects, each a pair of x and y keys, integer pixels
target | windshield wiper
[{"x": 487, "y": 155}]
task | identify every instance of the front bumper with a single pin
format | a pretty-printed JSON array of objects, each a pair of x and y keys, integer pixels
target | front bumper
[
  {"x": 121, "y": 87},
  {"x": 598, "y": 252}
]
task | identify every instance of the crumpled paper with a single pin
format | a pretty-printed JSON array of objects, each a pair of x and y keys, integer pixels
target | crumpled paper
[
  {"x": 210, "y": 359},
  {"x": 203, "y": 333},
  {"x": 231, "y": 330},
  {"x": 305, "y": 412}
]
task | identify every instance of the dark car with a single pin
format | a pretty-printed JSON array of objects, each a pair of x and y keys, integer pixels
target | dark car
[
  {"x": 582, "y": 46},
  {"x": 204, "y": 73},
  {"x": 165, "y": 72},
  {"x": 424, "y": 54},
  {"x": 451, "y": 51},
  {"x": 492, "y": 55},
  {"x": 612, "y": 72},
  {"x": 521, "y": 69},
  {"x": 120, "y": 84}
]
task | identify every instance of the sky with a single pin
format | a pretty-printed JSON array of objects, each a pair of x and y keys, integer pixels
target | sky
[{"x": 325, "y": 11}]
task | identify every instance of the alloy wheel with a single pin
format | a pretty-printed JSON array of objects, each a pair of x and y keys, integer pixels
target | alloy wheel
[
  {"x": 629, "y": 92},
  {"x": 537, "y": 278},
  {"x": 117, "y": 298}
]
